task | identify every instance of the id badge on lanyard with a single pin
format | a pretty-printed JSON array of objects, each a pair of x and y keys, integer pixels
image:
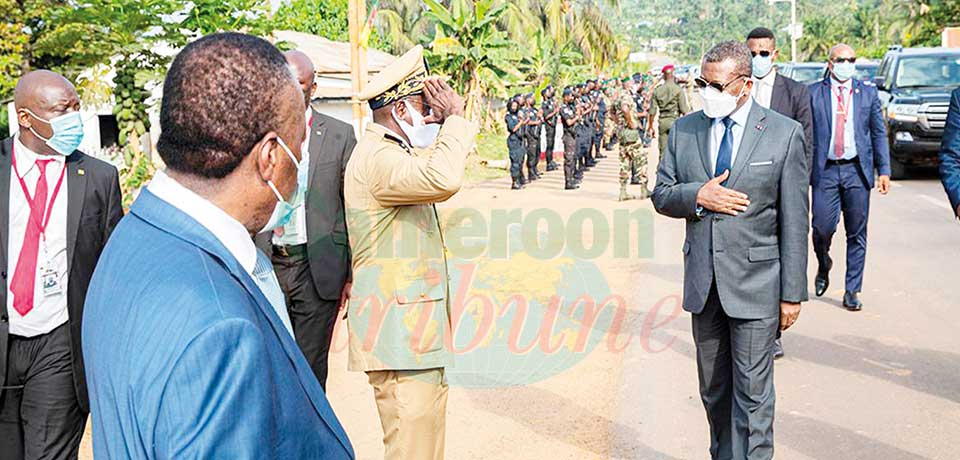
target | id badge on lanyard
[{"x": 49, "y": 275}]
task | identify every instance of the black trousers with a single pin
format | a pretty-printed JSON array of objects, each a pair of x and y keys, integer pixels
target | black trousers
[
  {"x": 569, "y": 159},
  {"x": 312, "y": 317},
  {"x": 533, "y": 154},
  {"x": 40, "y": 416},
  {"x": 551, "y": 132},
  {"x": 735, "y": 368},
  {"x": 516, "y": 149}
]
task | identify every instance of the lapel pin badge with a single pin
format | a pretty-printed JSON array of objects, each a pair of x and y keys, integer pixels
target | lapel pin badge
[{"x": 81, "y": 172}]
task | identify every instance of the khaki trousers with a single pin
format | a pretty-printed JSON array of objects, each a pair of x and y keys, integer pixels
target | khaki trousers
[{"x": 413, "y": 412}]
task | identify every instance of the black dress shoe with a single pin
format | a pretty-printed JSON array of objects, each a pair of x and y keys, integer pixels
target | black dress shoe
[
  {"x": 822, "y": 282},
  {"x": 851, "y": 301},
  {"x": 635, "y": 181},
  {"x": 573, "y": 186},
  {"x": 516, "y": 185},
  {"x": 777, "y": 349}
]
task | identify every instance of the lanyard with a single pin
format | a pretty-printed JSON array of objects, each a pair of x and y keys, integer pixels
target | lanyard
[
  {"x": 42, "y": 226},
  {"x": 841, "y": 103}
]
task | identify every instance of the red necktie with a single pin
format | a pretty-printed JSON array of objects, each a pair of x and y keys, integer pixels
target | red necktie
[
  {"x": 839, "y": 128},
  {"x": 24, "y": 278}
]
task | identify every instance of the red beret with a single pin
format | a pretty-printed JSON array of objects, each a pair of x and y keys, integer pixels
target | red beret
[{"x": 667, "y": 68}]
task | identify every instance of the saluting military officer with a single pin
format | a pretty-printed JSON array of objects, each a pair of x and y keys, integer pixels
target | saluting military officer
[
  {"x": 550, "y": 110},
  {"x": 632, "y": 156},
  {"x": 570, "y": 118},
  {"x": 671, "y": 103},
  {"x": 412, "y": 156}
]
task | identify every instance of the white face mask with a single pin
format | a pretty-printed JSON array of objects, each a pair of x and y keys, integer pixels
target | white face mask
[
  {"x": 719, "y": 104},
  {"x": 421, "y": 135}
]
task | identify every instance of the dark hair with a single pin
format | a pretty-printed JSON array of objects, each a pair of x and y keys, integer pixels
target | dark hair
[
  {"x": 732, "y": 50},
  {"x": 761, "y": 32},
  {"x": 222, "y": 94}
]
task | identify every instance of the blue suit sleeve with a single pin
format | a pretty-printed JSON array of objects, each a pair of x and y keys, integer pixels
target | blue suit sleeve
[
  {"x": 950, "y": 152},
  {"x": 878, "y": 135},
  {"x": 217, "y": 401}
]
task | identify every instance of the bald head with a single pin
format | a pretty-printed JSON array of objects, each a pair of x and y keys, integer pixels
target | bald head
[
  {"x": 303, "y": 69},
  {"x": 842, "y": 50},
  {"x": 40, "y": 96}
]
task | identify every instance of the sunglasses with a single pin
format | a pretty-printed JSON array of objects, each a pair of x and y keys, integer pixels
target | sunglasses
[
  {"x": 701, "y": 83},
  {"x": 763, "y": 53},
  {"x": 841, "y": 60}
]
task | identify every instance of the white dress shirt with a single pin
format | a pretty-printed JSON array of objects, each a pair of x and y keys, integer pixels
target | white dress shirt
[
  {"x": 295, "y": 232},
  {"x": 717, "y": 129},
  {"x": 849, "y": 140},
  {"x": 48, "y": 312},
  {"x": 763, "y": 89},
  {"x": 231, "y": 233}
]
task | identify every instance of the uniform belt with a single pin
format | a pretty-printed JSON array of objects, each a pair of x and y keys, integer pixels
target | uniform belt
[
  {"x": 289, "y": 251},
  {"x": 845, "y": 161}
]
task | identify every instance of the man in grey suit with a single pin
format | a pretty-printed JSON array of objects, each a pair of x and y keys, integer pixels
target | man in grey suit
[
  {"x": 310, "y": 253},
  {"x": 737, "y": 173}
]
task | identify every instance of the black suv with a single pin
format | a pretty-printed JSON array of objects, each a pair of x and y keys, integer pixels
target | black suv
[{"x": 915, "y": 85}]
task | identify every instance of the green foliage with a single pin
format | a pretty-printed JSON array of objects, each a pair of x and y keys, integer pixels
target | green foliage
[
  {"x": 870, "y": 26},
  {"x": 326, "y": 18},
  {"x": 4, "y": 122}
]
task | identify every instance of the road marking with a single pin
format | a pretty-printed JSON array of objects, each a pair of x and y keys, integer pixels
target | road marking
[{"x": 935, "y": 202}]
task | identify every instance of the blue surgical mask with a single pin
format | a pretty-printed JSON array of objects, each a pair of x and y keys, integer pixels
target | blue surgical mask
[
  {"x": 844, "y": 71},
  {"x": 762, "y": 65},
  {"x": 67, "y": 132},
  {"x": 283, "y": 211}
]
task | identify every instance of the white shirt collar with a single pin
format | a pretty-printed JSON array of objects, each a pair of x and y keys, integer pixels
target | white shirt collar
[
  {"x": 834, "y": 83},
  {"x": 224, "y": 227},
  {"x": 27, "y": 159},
  {"x": 767, "y": 79}
]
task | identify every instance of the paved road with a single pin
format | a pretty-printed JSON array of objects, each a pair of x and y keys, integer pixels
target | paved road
[{"x": 882, "y": 384}]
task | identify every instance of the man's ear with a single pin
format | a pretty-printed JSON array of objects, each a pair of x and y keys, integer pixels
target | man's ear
[
  {"x": 24, "y": 119},
  {"x": 265, "y": 156}
]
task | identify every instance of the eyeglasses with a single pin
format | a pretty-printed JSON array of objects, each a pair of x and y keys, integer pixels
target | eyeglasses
[
  {"x": 763, "y": 53},
  {"x": 701, "y": 83},
  {"x": 841, "y": 60}
]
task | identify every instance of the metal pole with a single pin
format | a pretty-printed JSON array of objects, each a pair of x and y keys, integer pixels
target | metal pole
[
  {"x": 793, "y": 31},
  {"x": 355, "y": 18}
]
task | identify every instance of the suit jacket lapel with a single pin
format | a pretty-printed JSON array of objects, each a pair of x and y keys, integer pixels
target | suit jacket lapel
[
  {"x": 751, "y": 137},
  {"x": 76, "y": 190},
  {"x": 703, "y": 143},
  {"x": 5, "y": 167},
  {"x": 318, "y": 140},
  {"x": 173, "y": 221},
  {"x": 778, "y": 98}
]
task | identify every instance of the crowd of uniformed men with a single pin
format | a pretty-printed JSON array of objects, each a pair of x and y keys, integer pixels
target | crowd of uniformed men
[{"x": 594, "y": 117}]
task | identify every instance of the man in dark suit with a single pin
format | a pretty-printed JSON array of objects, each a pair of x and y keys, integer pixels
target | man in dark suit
[
  {"x": 850, "y": 148},
  {"x": 310, "y": 253},
  {"x": 950, "y": 153},
  {"x": 780, "y": 94},
  {"x": 59, "y": 208},
  {"x": 736, "y": 173}
]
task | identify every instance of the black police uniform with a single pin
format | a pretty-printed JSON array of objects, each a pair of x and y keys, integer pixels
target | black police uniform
[
  {"x": 533, "y": 144},
  {"x": 550, "y": 127},
  {"x": 515, "y": 146}
]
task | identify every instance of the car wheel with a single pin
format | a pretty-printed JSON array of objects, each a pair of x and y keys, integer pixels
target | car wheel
[{"x": 898, "y": 170}]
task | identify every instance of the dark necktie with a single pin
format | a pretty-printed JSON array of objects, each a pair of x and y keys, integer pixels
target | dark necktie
[{"x": 726, "y": 148}]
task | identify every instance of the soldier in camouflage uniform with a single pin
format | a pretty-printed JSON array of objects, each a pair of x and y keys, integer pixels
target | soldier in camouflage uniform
[
  {"x": 632, "y": 155},
  {"x": 610, "y": 96},
  {"x": 551, "y": 111}
]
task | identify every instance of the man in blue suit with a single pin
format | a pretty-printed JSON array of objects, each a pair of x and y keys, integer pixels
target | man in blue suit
[
  {"x": 850, "y": 147},
  {"x": 950, "y": 153},
  {"x": 188, "y": 346}
]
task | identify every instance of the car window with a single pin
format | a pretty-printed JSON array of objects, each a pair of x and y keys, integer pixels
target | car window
[
  {"x": 807, "y": 74},
  {"x": 920, "y": 71}
]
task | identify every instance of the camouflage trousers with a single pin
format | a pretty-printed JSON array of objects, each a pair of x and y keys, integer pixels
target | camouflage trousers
[
  {"x": 609, "y": 126},
  {"x": 633, "y": 156}
]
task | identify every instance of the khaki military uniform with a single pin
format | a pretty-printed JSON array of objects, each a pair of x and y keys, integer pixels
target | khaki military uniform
[
  {"x": 632, "y": 155},
  {"x": 670, "y": 102},
  {"x": 398, "y": 317},
  {"x": 610, "y": 122}
]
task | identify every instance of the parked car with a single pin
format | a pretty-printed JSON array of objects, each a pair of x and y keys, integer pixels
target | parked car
[
  {"x": 804, "y": 72},
  {"x": 915, "y": 86}
]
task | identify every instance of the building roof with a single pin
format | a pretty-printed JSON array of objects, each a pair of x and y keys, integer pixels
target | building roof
[{"x": 332, "y": 59}]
